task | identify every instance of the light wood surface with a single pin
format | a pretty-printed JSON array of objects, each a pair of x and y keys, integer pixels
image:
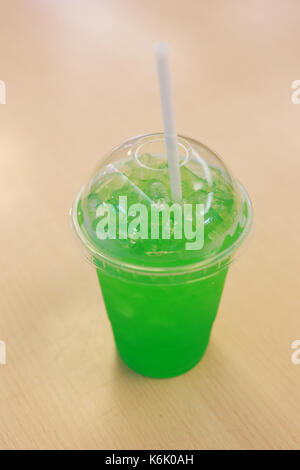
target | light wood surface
[{"x": 80, "y": 78}]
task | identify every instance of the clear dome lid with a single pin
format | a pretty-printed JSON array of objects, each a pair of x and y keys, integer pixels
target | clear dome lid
[{"x": 138, "y": 169}]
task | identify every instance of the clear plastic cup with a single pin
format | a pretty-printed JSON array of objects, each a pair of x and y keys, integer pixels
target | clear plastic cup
[{"x": 161, "y": 298}]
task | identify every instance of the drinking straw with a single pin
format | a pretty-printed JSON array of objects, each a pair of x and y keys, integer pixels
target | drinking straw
[{"x": 164, "y": 79}]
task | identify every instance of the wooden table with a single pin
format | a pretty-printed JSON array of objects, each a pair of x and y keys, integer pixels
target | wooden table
[{"x": 80, "y": 77}]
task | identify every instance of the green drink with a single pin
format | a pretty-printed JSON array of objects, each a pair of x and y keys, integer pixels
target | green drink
[{"x": 162, "y": 298}]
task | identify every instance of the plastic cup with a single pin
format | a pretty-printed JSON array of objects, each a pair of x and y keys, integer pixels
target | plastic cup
[{"x": 161, "y": 299}]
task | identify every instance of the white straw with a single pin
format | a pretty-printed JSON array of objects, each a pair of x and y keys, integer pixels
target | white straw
[{"x": 164, "y": 78}]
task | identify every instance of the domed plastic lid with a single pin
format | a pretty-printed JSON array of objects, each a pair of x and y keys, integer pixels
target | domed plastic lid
[{"x": 112, "y": 227}]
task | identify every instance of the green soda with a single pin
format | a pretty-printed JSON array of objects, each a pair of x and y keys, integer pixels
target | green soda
[{"x": 162, "y": 298}]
